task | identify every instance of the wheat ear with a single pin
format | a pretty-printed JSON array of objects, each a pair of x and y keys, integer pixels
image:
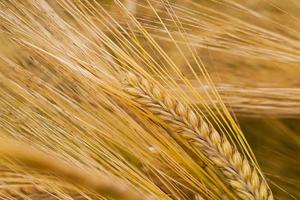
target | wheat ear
[
  {"x": 99, "y": 183},
  {"x": 19, "y": 190},
  {"x": 243, "y": 178},
  {"x": 31, "y": 191}
]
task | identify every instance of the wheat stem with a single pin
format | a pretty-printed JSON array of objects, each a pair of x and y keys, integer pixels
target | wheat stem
[{"x": 244, "y": 179}]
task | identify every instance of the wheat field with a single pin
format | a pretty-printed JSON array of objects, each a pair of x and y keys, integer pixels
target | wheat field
[{"x": 149, "y": 99}]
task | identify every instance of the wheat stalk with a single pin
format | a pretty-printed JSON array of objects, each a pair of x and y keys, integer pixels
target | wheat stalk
[{"x": 243, "y": 178}]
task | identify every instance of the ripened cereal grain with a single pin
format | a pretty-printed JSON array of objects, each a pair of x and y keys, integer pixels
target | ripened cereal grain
[{"x": 240, "y": 175}]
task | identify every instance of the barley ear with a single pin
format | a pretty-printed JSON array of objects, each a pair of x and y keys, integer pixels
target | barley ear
[{"x": 240, "y": 175}]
